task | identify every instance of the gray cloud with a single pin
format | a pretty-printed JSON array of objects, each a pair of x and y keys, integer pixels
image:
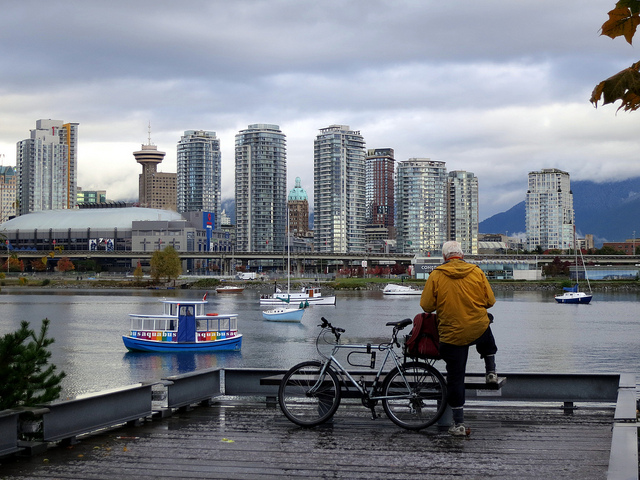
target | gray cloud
[{"x": 499, "y": 88}]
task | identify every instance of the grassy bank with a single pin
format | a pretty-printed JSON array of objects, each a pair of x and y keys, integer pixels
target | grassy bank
[{"x": 338, "y": 284}]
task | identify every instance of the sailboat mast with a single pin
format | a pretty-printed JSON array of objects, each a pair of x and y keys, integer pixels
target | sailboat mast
[{"x": 288, "y": 255}]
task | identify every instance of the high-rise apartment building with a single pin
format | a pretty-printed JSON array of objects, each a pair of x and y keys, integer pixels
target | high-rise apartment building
[
  {"x": 261, "y": 195},
  {"x": 380, "y": 188},
  {"x": 199, "y": 173},
  {"x": 298, "y": 205},
  {"x": 339, "y": 190},
  {"x": 156, "y": 189},
  {"x": 47, "y": 167},
  {"x": 462, "y": 214},
  {"x": 421, "y": 206},
  {"x": 8, "y": 190},
  {"x": 549, "y": 216}
]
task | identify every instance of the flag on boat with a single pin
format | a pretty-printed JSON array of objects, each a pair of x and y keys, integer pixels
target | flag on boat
[{"x": 205, "y": 296}]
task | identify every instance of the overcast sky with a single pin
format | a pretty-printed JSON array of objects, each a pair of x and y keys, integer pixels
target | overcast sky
[{"x": 495, "y": 87}]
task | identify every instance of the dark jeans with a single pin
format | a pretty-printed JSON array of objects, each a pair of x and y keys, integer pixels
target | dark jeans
[{"x": 455, "y": 356}]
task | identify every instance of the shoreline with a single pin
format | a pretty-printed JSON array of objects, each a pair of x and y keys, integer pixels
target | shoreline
[{"x": 47, "y": 283}]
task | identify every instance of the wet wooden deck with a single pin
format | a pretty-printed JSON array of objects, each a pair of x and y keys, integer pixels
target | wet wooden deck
[{"x": 247, "y": 440}]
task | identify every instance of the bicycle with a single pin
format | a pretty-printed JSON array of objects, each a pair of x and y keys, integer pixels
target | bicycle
[{"x": 413, "y": 393}]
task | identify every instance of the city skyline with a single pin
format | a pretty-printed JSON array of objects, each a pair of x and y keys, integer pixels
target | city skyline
[{"x": 503, "y": 91}]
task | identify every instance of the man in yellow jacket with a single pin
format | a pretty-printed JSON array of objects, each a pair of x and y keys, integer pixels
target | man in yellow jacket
[{"x": 460, "y": 294}]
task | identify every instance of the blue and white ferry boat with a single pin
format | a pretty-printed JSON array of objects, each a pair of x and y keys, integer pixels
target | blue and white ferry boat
[{"x": 183, "y": 326}]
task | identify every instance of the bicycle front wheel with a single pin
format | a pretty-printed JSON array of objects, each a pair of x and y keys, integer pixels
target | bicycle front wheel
[
  {"x": 308, "y": 398},
  {"x": 416, "y": 395}
]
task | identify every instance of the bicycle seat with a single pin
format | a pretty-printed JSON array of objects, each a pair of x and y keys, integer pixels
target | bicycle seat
[{"x": 400, "y": 324}]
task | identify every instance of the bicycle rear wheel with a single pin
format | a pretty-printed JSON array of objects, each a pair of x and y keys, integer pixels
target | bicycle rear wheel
[
  {"x": 417, "y": 395},
  {"x": 306, "y": 398}
]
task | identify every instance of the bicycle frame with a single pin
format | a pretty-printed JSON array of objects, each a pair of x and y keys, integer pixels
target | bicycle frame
[{"x": 369, "y": 393}]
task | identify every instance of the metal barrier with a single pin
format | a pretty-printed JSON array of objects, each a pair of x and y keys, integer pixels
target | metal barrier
[
  {"x": 623, "y": 456},
  {"x": 9, "y": 432},
  {"x": 246, "y": 381},
  {"x": 194, "y": 387},
  {"x": 87, "y": 413}
]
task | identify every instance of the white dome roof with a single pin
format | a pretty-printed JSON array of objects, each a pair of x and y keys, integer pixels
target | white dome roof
[{"x": 94, "y": 218}]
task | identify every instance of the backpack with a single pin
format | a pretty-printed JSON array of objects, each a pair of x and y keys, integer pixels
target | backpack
[{"x": 423, "y": 341}]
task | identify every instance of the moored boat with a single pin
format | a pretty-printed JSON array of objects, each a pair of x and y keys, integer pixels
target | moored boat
[
  {"x": 574, "y": 297},
  {"x": 284, "y": 314},
  {"x": 230, "y": 289},
  {"x": 573, "y": 294},
  {"x": 313, "y": 295},
  {"x": 395, "y": 289},
  {"x": 183, "y": 326}
]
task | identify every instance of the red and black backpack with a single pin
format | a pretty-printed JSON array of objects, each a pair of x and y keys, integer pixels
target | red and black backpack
[{"x": 423, "y": 341}]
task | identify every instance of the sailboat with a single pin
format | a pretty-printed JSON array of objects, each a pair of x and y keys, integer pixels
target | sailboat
[
  {"x": 573, "y": 294},
  {"x": 286, "y": 313}
]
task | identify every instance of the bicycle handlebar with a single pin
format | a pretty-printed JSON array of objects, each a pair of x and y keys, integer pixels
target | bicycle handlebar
[{"x": 335, "y": 330}]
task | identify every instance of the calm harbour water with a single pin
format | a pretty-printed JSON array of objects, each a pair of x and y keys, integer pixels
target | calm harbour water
[{"x": 533, "y": 333}]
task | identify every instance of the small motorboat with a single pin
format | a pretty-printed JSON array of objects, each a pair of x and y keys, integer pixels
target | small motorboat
[
  {"x": 183, "y": 326},
  {"x": 395, "y": 289},
  {"x": 230, "y": 289},
  {"x": 284, "y": 314}
]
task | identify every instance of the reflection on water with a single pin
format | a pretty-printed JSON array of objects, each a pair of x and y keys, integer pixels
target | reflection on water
[
  {"x": 533, "y": 332},
  {"x": 176, "y": 362}
]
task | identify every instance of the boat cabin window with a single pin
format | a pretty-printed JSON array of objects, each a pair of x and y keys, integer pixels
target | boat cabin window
[
  {"x": 186, "y": 310},
  {"x": 152, "y": 324},
  {"x": 220, "y": 324}
]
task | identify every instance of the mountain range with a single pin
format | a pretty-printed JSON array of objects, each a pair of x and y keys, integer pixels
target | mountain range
[{"x": 609, "y": 211}]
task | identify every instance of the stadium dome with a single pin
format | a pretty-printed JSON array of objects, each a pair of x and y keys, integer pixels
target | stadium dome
[{"x": 93, "y": 218}]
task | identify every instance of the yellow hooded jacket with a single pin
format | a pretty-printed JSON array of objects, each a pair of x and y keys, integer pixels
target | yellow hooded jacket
[{"x": 460, "y": 294}]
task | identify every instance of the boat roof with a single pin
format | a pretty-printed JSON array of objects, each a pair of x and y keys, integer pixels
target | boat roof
[{"x": 193, "y": 302}]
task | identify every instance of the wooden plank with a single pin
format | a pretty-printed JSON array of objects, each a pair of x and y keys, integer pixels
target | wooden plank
[{"x": 240, "y": 440}]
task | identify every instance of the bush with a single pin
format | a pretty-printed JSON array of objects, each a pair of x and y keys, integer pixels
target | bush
[
  {"x": 206, "y": 283},
  {"x": 26, "y": 377}
]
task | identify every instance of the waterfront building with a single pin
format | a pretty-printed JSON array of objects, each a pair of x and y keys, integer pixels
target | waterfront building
[
  {"x": 298, "y": 205},
  {"x": 339, "y": 190},
  {"x": 119, "y": 228},
  {"x": 462, "y": 213},
  {"x": 261, "y": 181},
  {"x": 380, "y": 188},
  {"x": 421, "y": 206},
  {"x": 629, "y": 246},
  {"x": 47, "y": 167},
  {"x": 199, "y": 173},
  {"x": 549, "y": 216},
  {"x": 90, "y": 197},
  {"x": 156, "y": 189},
  {"x": 8, "y": 191}
]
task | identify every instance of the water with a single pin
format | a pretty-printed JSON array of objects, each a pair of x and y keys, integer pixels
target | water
[{"x": 533, "y": 333}]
